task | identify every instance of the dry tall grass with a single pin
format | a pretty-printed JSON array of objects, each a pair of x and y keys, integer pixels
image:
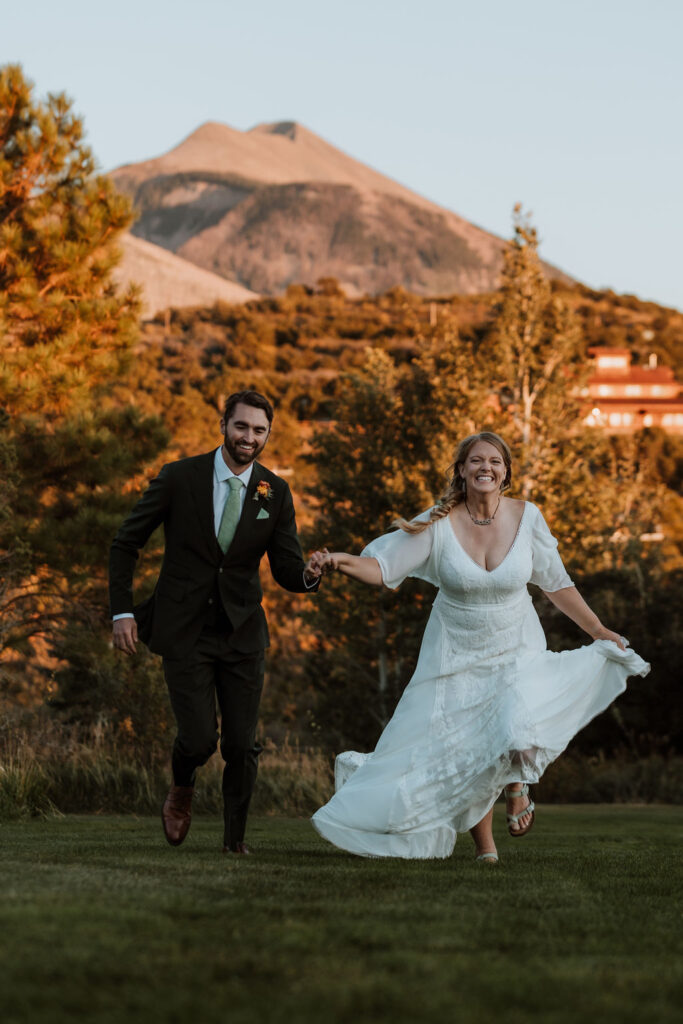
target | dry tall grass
[
  {"x": 53, "y": 769},
  {"x": 56, "y": 770}
]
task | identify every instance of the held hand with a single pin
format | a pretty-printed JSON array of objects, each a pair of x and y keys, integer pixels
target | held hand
[
  {"x": 313, "y": 569},
  {"x": 125, "y": 635},
  {"x": 606, "y": 634},
  {"x": 321, "y": 563},
  {"x": 355, "y": 567},
  {"x": 330, "y": 561}
]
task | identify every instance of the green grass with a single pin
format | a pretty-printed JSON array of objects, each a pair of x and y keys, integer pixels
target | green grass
[{"x": 101, "y": 921}]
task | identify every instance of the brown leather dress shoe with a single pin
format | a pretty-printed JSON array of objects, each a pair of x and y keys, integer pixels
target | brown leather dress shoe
[
  {"x": 237, "y": 848},
  {"x": 176, "y": 814}
]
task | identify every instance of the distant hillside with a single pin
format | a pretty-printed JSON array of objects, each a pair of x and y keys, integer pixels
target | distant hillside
[
  {"x": 278, "y": 205},
  {"x": 297, "y": 346},
  {"x": 168, "y": 280}
]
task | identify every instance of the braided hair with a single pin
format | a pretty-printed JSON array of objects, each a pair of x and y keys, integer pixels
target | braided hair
[{"x": 455, "y": 493}]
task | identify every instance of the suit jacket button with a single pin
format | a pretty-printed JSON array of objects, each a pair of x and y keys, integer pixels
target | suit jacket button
[
  {"x": 220, "y": 570},
  {"x": 210, "y": 600}
]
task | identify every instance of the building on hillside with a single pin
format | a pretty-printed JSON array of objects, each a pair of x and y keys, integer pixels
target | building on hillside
[{"x": 626, "y": 398}]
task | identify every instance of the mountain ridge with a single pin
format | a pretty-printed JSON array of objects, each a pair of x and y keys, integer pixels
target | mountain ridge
[{"x": 278, "y": 204}]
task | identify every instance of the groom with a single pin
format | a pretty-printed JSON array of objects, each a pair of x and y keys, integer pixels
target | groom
[{"x": 221, "y": 513}]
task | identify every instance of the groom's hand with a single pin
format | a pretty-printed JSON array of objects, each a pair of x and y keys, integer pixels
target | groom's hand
[
  {"x": 125, "y": 635},
  {"x": 312, "y": 570},
  {"x": 315, "y": 566}
]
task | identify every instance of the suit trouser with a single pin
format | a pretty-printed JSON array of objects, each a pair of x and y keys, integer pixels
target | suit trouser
[{"x": 215, "y": 671}]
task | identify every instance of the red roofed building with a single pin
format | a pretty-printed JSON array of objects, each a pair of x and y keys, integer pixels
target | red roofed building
[{"x": 626, "y": 398}]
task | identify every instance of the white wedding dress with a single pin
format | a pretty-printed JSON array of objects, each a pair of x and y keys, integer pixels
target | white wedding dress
[{"x": 488, "y": 704}]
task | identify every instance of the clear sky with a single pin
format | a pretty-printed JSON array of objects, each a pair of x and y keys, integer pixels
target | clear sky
[{"x": 574, "y": 109}]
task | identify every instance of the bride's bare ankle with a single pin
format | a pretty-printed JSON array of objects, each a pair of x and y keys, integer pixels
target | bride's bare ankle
[
  {"x": 512, "y": 787},
  {"x": 485, "y": 848}
]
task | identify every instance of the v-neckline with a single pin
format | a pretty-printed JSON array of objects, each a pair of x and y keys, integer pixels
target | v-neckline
[{"x": 505, "y": 556}]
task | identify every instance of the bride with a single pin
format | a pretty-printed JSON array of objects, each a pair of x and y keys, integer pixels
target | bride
[{"x": 488, "y": 707}]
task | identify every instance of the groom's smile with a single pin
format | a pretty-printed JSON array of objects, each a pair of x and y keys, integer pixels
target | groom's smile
[{"x": 244, "y": 436}]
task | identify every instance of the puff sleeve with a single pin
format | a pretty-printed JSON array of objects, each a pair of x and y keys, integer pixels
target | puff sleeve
[
  {"x": 548, "y": 571},
  {"x": 402, "y": 554}
]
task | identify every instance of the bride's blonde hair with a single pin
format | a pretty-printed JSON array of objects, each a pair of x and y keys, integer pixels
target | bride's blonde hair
[{"x": 455, "y": 492}]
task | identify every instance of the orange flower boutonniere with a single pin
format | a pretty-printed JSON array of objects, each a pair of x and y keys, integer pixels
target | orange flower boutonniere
[{"x": 263, "y": 491}]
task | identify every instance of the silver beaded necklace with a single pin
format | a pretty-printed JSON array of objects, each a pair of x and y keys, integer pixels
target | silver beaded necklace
[{"x": 482, "y": 522}]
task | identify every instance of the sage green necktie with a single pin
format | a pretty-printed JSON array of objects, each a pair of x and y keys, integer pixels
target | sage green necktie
[{"x": 231, "y": 513}]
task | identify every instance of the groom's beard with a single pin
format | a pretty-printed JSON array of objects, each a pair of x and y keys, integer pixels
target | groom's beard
[{"x": 239, "y": 455}]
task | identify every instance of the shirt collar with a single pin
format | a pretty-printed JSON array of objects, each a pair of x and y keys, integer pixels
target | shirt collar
[{"x": 224, "y": 472}]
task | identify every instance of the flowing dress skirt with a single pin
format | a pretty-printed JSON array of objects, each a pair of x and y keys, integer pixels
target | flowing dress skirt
[{"x": 488, "y": 705}]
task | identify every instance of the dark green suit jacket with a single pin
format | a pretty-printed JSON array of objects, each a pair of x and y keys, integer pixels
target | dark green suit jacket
[{"x": 195, "y": 572}]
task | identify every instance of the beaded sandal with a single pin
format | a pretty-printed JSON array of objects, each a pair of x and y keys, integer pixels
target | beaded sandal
[
  {"x": 513, "y": 819},
  {"x": 487, "y": 858}
]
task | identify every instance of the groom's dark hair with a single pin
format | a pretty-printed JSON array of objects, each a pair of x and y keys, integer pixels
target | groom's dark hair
[{"x": 252, "y": 398}]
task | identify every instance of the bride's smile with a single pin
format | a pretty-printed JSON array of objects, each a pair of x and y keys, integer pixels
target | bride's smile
[{"x": 484, "y": 471}]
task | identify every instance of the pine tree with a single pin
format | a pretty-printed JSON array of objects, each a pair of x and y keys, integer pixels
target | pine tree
[{"x": 66, "y": 337}]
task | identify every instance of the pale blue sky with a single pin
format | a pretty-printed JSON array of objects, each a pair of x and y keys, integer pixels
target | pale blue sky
[{"x": 573, "y": 109}]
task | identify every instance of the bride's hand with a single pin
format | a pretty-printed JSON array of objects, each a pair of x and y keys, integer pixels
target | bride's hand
[
  {"x": 321, "y": 563},
  {"x": 606, "y": 634},
  {"x": 329, "y": 561}
]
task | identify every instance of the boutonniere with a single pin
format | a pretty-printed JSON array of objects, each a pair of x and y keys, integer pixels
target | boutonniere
[{"x": 263, "y": 491}]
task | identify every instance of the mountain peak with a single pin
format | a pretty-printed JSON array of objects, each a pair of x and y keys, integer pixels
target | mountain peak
[
  {"x": 290, "y": 129},
  {"x": 210, "y": 133}
]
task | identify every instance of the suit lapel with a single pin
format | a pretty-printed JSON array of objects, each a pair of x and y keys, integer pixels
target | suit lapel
[
  {"x": 203, "y": 495},
  {"x": 249, "y": 512}
]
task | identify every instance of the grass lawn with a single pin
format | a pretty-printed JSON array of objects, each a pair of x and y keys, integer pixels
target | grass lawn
[{"x": 101, "y": 921}]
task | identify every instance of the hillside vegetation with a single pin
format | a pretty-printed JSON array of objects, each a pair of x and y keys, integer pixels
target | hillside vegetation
[{"x": 298, "y": 344}]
